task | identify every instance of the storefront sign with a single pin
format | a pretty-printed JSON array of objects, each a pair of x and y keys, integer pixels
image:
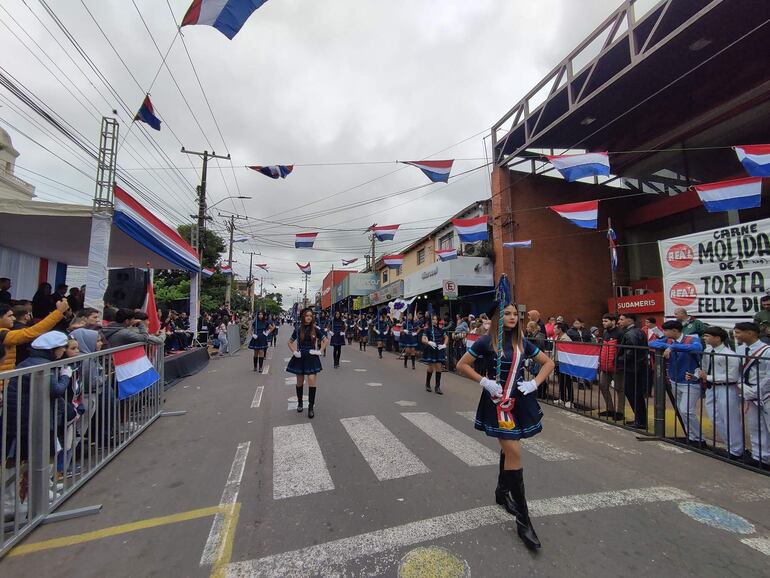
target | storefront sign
[
  {"x": 647, "y": 303},
  {"x": 357, "y": 284},
  {"x": 464, "y": 271},
  {"x": 717, "y": 275},
  {"x": 387, "y": 293}
]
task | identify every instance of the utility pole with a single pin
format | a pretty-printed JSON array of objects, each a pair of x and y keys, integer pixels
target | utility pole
[
  {"x": 373, "y": 239},
  {"x": 251, "y": 279},
  {"x": 201, "y": 190},
  {"x": 231, "y": 229}
]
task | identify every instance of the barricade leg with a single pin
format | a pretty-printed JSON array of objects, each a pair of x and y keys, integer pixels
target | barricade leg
[{"x": 660, "y": 398}]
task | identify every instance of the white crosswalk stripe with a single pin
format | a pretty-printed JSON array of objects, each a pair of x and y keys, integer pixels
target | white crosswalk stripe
[
  {"x": 541, "y": 448},
  {"x": 299, "y": 467},
  {"x": 388, "y": 457},
  {"x": 461, "y": 445}
]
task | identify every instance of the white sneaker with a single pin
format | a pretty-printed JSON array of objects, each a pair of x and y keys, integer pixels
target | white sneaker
[{"x": 568, "y": 404}]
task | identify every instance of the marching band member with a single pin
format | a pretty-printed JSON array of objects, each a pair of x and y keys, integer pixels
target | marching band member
[
  {"x": 508, "y": 408},
  {"x": 307, "y": 344},
  {"x": 338, "y": 327},
  {"x": 408, "y": 338},
  {"x": 381, "y": 328},
  {"x": 434, "y": 353},
  {"x": 363, "y": 332},
  {"x": 261, "y": 330}
]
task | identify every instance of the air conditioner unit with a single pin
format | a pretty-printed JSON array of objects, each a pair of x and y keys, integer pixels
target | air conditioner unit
[
  {"x": 623, "y": 291},
  {"x": 470, "y": 250}
]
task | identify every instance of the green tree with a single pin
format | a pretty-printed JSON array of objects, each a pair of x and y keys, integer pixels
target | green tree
[{"x": 213, "y": 245}]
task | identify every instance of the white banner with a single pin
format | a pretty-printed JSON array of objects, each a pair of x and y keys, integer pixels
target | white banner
[
  {"x": 717, "y": 275},
  {"x": 98, "y": 254}
]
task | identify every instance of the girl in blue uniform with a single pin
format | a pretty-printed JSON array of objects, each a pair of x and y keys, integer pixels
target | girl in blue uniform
[
  {"x": 363, "y": 332},
  {"x": 307, "y": 344},
  {"x": 261, "y": 331},
  {"x": 338, "y": 327},
  {"x": 408, "y": 338},
  {"x": 434, "y": 341},
  {"x": 508, "y": 409},
  {"x": 381, "y": 328}
]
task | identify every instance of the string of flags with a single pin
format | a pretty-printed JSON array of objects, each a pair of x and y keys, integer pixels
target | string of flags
[
  {"x": 584, "y": 214},
  {"x": 471, "y": 230},
  {"x": 384, "y": 232},
  {"x": 304, "y": 240},
  {"x": 346, "y": 262},
  {"x": 227, "y": 16},
  {"x": 393, "y": 261},
  {"x": 304, "y": 268},
  {"x": 731, "y": 195},
  {"x": 436, "y": 171},
  {"x": 262, "y": 266},
  {"x": 273, "y": 171},
  {"x": 755, "y": 159},
  {"x": 578, "y": 166}
]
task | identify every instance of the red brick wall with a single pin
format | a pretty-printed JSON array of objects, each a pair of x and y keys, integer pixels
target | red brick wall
[{"x": 567, "y": 271}]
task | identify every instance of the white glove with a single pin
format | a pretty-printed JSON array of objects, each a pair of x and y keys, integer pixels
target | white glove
[
  {"x": 342, "y": 333},
  {"x": 377, "y": 331},
  {"x": 442, "y": 346},
  {"x": 315, "y": 352},
  {"x": 66, "y": 370},
  {"x": 527, "y": 387},
  {"x": 297, "y": 354},
  {"x": 254, "y": 336},
  {"x": 265, "y": 333},
  {"x": 432, "y": 344},
  {"x": 494, "y": 388}
]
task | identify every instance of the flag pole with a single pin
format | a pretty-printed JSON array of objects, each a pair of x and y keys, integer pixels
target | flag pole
[{"x": 612, "y": 268}]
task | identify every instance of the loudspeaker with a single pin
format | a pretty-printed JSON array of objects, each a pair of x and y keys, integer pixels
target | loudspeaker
[
  {"x": 127, "y": 288},
  {"x": 181, "y": 305}
]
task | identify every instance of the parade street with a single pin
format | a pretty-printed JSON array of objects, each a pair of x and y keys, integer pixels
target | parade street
[{"x": 390, "y": 480}]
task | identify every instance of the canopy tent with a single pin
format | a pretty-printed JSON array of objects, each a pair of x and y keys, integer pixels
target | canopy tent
[{"x": 61, "y": 232}]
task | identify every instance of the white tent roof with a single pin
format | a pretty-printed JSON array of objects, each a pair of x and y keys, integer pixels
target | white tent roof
[{"x": 62, "y": 232}]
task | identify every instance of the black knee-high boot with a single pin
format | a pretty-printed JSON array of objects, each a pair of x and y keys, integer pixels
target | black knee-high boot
[
  {"x": 255, "y": 363},
  {"x": 261, "y": 364},
  {"x": 414, "y": 360},
  {"x": 406, "y": 358},
  {"x": 360, "y": 346},
  {"x": 311, "y": 402},
  {"x": 438, "y": 383},
  {"x": 379, "y": 351},
  {"x": 516, "y": 504},
  {"x": 299, "y": 398},
  {"x": 500, "y": 489},
  {"x": 427, "y": 381}
]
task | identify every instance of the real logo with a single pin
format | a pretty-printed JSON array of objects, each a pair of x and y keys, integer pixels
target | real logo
[
  {"x": 683, "y": 293},
  {"x": 680, "y": 256}
]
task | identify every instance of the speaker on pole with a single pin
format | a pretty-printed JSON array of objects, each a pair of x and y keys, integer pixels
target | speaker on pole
[{"x": 127, "y": 288}]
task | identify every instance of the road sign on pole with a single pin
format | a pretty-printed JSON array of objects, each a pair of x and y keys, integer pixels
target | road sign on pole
[{"x": 450, "y": 289}]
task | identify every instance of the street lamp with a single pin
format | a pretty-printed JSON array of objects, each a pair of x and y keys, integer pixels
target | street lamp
[{"x": 227, "y": 199}]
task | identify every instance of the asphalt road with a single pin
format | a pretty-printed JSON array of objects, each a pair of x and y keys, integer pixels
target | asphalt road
[{"x": 389, "y": 480}]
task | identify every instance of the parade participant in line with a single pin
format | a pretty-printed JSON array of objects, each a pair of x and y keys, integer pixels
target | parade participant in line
[
  {"x": 381, "y": 329},
  {"x": 408, "y": 338},
  {"x": 338, "y": 327},
  {"x": 435, "y": 341},
  {"x": 350, "y": 327},
  {"x": 755, "y": 387},
  {"x": 363, "y": 332},
  {"x": 261, "y": 332},
  {"x": 307, "y": 344},
  {"x": 508, "y": 408}
]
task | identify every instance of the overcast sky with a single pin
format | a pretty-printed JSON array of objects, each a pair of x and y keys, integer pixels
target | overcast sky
[{"x": 303, "y": 82}]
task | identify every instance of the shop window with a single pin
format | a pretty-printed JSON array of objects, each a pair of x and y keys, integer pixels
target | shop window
[{"x": 421, "y": 256}]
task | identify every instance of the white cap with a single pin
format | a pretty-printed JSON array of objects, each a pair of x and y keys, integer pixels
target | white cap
[{"x": 50, "y": 340}]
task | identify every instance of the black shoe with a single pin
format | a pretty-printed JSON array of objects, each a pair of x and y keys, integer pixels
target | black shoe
[
  {"x": 500, "y": 489},
  {"x": 635, "y": 425},
  {"x": 438, "y": 390},
  {"x": 310, "y": 412},
  {"x": 516, "y": 504},
  {"x": 299, "y": 408},
  {"x": 606, "y": 414},
  {"x": 428, "y": 388},
  {"x": 620, "y": 416}
]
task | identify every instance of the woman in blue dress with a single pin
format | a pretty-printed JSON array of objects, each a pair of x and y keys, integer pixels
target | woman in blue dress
[
  {"x": 434, "y": 342},
  {"x": 337, "y": 327},
  {"x": 381, "y": 328},
  {"x": 508, "y": 409},
  {"x": 307, "y": 344},
  {"x": 408, "y": 338},
  {"x": 363, "y": 332},
  {"x": 261, "y": 331}
]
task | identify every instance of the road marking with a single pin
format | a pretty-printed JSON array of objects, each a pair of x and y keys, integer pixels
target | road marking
[
  {"x": 113, "y": 531},
  {"x": 670, "y": 448},
  {"x": 222, "y": 525},
  {"x": 717, "y": 517},
  {"x": 464, "y": 447},
  {"x": 257, "y": 397},
  {"x": 759, "y": 544},
  {"x": 432, "y": 561},
  {"x": 298, "y": 464},
  {"x": 388, "y": 457},
  {"x": 265, "y": 369},
  {"x": 360, "y": 370},
  {"x": 374, "y": 384},
  {"x": 331, "y": 558},
  {"x": 344, "y": 361},
  {"x": 289, "y": 380},
  {"x": 404, "y": 403},
  {"x": 543, "y": 449},
  {"x": 597, "y": 440}
]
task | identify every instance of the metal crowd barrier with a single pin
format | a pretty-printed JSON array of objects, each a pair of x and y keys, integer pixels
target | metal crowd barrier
[
  {"x": 722, "y": 416},
  {"x": 53, "y": 442}
]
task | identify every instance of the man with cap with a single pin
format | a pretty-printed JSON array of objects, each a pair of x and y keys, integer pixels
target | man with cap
[
  {"x": 755, "y": 378},
  {"x": 720, "y": 372}
]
